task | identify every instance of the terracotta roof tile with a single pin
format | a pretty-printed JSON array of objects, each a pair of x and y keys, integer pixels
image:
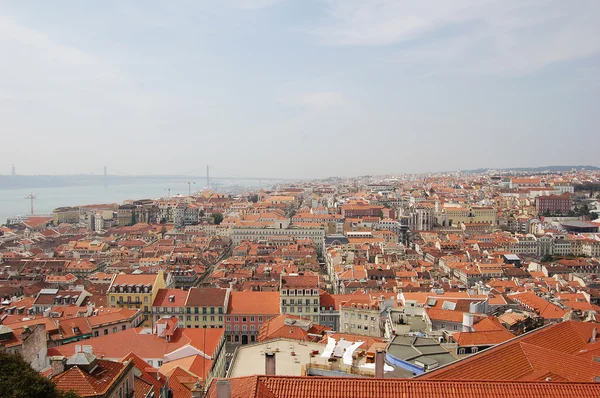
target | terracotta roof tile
[{"x": 330, "y": 387}]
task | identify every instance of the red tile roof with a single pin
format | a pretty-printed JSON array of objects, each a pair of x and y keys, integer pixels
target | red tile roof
[
  {"x": 207, "y": 297},
  {"x": 331, "y": 387},
  {"x": 547, "y": 352},
  {"x": 252, "y": 302},
  {"x": 146, "y": 346},
  {"x": 94, "y": 383}
]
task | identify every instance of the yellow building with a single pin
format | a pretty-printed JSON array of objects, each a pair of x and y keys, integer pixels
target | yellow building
[
  {"x": 136, "y": 291},
  {"x": 65, "y": 215},
  {"x": 457, "y": 215}
]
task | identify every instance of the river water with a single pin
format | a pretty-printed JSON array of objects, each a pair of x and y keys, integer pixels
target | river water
[{"x": 14, "y": 202}]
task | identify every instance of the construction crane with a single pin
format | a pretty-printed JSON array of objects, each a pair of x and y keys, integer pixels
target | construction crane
[
  {"x": 31, "y": 197},
  {"x": 189, "y": 187}
]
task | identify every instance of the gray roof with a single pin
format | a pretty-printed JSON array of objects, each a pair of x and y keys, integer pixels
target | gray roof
[{"x": 81, "y": 358}]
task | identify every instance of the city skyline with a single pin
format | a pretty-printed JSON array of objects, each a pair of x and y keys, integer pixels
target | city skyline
[{"x": 298, "y": 89}]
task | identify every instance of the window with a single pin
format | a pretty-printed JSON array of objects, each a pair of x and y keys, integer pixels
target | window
[
  {"x": 204, "y": 310},
  {"x": 220, "y": 310},
  {"x": 204, "y": 318},
  {"x": 228, "y": 328},
  {"x": 105, "y": 331},
  {"x": 188, "y": 318},
  {"x": 299, "y": 309},
  {"x": 196, "y": 310},
  {"x": 251, "y": 319},
  {"x": 212, "y": 310},
  {"x": 461, "y": 351},
  {"x": 474, "y": 350},
  {"x": 260, "y": 319},
  {"x": 112, "y": 298},
  {"x": 236, "y": 328},
  {"x": 221, "y": 318},
  {"x": 244, "y": 328},
  {"x": 252, "y": 328},
  {"x": 212, "y": 318},
  {"x": 443, "y": 326},
  {"x": 196, "y": 318},
  {"x": 160, "y": 363},
  {"x": 237, "y": 319},
  {"x": 123, "y": 327},
  {"x": 243, "y": 319}
]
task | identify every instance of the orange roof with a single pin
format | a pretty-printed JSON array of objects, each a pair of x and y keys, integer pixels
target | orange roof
[
  {"x": 346, "y": 387},
  {"x": 146, "y": 345},
  {"x": 135, "y": 279},
  {"x": 90, "y": 384},
  {"x": 547, "y": 352},
  {"x": 444, "y": 315},
  {"x": 252, "y": 302}
]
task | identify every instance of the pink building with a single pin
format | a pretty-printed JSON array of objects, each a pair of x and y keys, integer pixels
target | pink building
[{"x": 246, "y": 313}]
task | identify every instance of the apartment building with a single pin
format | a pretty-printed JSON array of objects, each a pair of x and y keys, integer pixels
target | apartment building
[
  {"x": 136, "y": 291},
  {"x": 206, "y": 307},
  {"x": 246, "y": 313},
  {"x": 299, "y": 295}
]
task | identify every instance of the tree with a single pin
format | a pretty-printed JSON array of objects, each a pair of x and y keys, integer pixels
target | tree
[
  {"x": 547, "y": 258},
  {"x": 217, "y": 217},
  {"x": 19, "y": 380},
  {"x": 201, "y": 213}
]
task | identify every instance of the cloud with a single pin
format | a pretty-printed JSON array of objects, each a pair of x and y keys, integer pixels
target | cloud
[
  {"x": 317, "y": 100},
  {"x": 254, "y": 4},
  {"x": 45, "y": 72},
  {"x": 491, "y": 36}
]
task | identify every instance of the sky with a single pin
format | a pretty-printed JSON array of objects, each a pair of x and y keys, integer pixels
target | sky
[{"x": 297, "y": 88}]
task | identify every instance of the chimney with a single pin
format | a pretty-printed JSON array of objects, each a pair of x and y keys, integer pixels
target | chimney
[
  {"x": 467, "y": 322},
  {"x": 379, "y": 363},
  {"x": 58, "y": 364},
  {"x": 223, "y": 389},
  {"x": 270, "y": 363},
  {"x": 594, "y": 334}
]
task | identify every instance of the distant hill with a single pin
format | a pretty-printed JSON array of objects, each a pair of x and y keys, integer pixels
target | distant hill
[{"x": 534, "y": 169}]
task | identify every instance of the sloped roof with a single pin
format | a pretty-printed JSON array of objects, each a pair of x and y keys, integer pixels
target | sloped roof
[
  {"x": 551, "y": 351},
  {"x": 331, "y": 387},
  {"x": 96, "y": 382}
]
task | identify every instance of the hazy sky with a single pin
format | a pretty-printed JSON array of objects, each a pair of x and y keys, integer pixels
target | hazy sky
[{"x": 297, "y": 88}]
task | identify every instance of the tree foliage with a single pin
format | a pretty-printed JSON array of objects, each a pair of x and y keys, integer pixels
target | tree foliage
[
  {"x": 19, "y": 380},
  {"x": 217, "y": 217}
]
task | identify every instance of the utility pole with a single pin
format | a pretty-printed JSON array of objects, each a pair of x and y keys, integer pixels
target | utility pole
[
  {"x": 31, "y": 197},
  {"x": 190, "y": 187},
  {"x": 169, "y": 191},
  {"x": 207, "y": 177}
]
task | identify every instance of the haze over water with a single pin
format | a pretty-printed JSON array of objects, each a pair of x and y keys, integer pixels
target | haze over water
[{"x": 13, "y": 201}]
